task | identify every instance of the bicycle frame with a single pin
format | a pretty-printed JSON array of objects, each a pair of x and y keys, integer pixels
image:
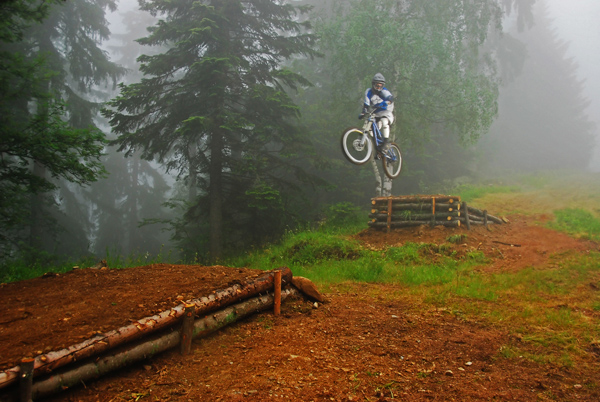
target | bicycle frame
[
  {"x": 358, "y": 144},
  {"x": 370, "y": 126}
]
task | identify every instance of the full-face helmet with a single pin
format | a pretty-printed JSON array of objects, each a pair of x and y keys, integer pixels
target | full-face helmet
[{"x": 378, "y": 82}]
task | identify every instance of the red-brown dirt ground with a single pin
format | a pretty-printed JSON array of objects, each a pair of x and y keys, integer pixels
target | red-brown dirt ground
[{"x": 361, "y": 345}]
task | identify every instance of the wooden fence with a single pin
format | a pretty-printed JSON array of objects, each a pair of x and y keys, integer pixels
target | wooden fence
[
  {"x": 59, "y": 370},
  {"x": 433, "y": 210}
]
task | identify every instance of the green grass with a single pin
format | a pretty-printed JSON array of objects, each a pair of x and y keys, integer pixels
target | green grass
[
  {"x": 549, "y": 306},
  {"x": 470, "y": 192},
  {"x": 576, "y": 222},
  {"x": 38, "y": 264},
  {"x": 553, "y": 308}
]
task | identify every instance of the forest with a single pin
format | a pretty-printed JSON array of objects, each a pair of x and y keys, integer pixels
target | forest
[{"x": 201, "y": 129}]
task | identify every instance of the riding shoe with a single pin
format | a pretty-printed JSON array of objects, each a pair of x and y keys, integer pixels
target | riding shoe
[{"x": 386, "y": 144}]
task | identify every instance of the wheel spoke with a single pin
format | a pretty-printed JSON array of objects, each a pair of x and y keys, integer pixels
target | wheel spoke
[{"x": 357, "y": 147}]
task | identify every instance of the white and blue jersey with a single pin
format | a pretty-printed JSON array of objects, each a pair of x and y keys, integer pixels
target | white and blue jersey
[{"x": 382, "y": 100}]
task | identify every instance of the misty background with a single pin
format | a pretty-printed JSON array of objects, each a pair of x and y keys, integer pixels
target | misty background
[
  {"x": 515, "y": 90},
  {"x": 576, "y": 23}
]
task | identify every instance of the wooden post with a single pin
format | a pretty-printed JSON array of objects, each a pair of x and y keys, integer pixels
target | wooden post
[
  {"x": 26, "y": 381},
  {"x": 432, "y": 211},
  {"x": 187, "y": 329},
  {"x": 467, "y": 221},
  {"x": 277, "y": 290},
  {"x": 389, "y": 211}
]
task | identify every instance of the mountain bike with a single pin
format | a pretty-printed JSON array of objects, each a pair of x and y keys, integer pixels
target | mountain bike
[{"x": 358, "y": 145}]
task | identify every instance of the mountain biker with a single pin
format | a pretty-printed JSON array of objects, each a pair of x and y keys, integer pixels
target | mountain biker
[{"x": 381, "y": 99}]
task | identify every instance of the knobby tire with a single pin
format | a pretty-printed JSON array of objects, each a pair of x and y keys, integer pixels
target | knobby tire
[
  {"x": 353, "y": 150},
  {"x": 392, "y": 168}
]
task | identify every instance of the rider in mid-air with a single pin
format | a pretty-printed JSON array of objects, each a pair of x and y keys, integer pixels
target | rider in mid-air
[{"x": 380, "y": 98}]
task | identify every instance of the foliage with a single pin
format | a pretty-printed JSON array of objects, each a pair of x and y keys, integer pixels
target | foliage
[
  {"x": 344, "y": 214},
  {"x": 213, "y": 108},
  {"x": 431, "y": 54},
  {"x": 34, "y": 263},
  {"x": 438, "y": 64},
  {"x": 18, "y": 15},
  {"x": 546, "y": 306},
  {"x": 38, "y": 145}
]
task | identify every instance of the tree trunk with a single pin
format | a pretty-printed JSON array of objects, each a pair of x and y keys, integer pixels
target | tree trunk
[
  {"x": 192, "y": 180},
  {"x": 379, "y": 184},
  {"x": 384, "y": 183},
  {"x": 387, "y": 186},
  {"x": 36, "y": 226},
  {"x": 215, "y": 218},
  {"x": 132, "y": 205}
]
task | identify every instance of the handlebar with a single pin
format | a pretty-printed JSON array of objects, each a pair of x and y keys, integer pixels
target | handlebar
[{"x": 369, "y": 113}]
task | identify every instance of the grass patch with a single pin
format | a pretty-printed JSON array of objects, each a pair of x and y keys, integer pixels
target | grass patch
[
  {"x": 576, "y": 222},
  {"x": 38, "y": 264},
  {"x": 470, "y": 192}
]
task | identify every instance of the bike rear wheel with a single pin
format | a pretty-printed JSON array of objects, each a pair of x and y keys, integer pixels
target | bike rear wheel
[
  {"x": 392, "y": 161},
  {"x": 357, "y": 146}
]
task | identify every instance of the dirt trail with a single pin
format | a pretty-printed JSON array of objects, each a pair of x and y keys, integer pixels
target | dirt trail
[{"x": 360, "y": 346}]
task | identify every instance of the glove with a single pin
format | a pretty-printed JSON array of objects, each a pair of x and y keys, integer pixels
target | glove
[{"x": 365, "y": 110}]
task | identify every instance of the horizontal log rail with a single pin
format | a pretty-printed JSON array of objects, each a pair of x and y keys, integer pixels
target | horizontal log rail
[
  {"x": 432, "y": 210},
  {"x": 48, "y": 362},
  {"x": 151, "y": 346},
  {"x": 405, "y": 224},
  {"x": 450, "y": 199},
  {"x": 417, "y": 208},
  {"x": 411, "y": 216}
]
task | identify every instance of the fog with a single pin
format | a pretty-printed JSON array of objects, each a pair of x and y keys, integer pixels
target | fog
[
  {"x": 577, "y": 22},
  {"x": 447, "y": 125}
]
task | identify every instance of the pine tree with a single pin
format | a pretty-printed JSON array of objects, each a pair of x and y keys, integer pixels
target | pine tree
[
  {"x": 542, "y": 122},
  {"x": 213, "y": 107},
  {"x": 69, "y": 39},
  {"x": 134, "y": 191},
  {"x": 34, "y": 136}
]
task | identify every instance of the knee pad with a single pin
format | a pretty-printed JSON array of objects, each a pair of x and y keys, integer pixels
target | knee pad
[{"x": 384, "y": 126}]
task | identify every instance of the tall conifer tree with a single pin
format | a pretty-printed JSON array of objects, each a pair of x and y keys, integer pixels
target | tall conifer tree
[
  {"x": 542, "y": 122},
  {"x": 33, "y": 112},
  {"x": 213, "y": 107},
  {"x": 69, "y": 40}
]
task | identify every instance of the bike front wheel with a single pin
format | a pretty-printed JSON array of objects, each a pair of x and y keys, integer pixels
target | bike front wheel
[
  {"x": 392, "y": 161},
  {"x": 357, "y": 146}
]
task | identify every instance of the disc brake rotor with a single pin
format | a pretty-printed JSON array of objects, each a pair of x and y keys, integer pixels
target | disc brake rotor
[{"x": 358, "y": 146}]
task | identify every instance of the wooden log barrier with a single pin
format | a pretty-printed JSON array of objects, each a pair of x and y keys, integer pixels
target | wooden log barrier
[
  {"x": 467, "y": 220},
  {"x": 49, "y": 362},
  {"x": 26, "y": 381},
  {"x": 148, "y": 348},
  {"x": 450, "y": 199},
  {"x": 432, "y": 210},
  {"x": 277, "y": 294},
  {"x": 405, "y": 224},
  {"x": 423, "y": 207},
  {"x": 187, "y": 330},
  {"x": 415, "y": 217}
]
